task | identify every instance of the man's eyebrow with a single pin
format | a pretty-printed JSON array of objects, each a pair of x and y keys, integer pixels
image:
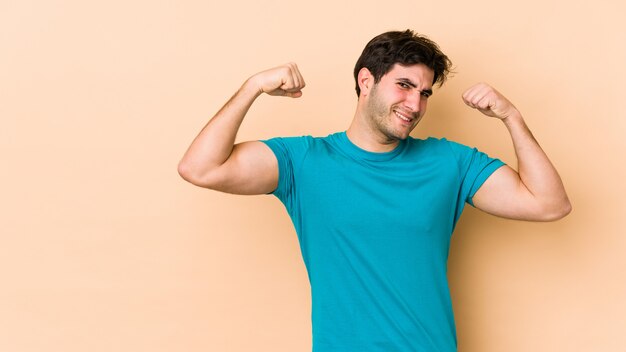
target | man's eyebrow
[
  {"x": 413, "y": 85},
  {"x": 407, "y": 81}
]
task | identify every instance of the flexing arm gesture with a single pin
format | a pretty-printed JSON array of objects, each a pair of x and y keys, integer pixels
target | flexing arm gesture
[
  {"x": 535, "y": 191},
  {"x": 213, "y": 161}
]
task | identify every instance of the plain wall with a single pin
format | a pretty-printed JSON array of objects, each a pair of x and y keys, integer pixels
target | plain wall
[{"x": 105, "y": 248}]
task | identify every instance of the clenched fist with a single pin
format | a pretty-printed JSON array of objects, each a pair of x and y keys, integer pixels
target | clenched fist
[
  {"x": 489, "y": 101},
  {"x": 284, "y": 80}
]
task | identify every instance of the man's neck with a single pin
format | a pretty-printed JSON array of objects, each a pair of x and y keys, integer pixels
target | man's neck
[{"x": 367, "y": 138}]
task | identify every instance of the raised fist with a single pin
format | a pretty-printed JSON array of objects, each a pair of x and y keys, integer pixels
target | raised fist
[
  {"x": 489, "y": 101},
  {"x": 284, "y": 80}
]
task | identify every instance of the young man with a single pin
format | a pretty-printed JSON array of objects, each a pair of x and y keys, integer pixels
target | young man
[{"x": 374, "y": 208}]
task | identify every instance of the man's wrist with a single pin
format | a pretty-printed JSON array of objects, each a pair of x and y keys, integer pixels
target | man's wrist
[
  {"x": 513, "y": 118},
  {"x": 251, "y": 88}
]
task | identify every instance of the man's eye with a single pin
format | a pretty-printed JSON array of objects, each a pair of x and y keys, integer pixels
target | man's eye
[
  {"x": 403, "y": 85},
  {"x": 425, "y": 94}
]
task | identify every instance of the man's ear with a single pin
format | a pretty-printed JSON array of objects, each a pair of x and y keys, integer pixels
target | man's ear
[{"x": 365, "y": 80}]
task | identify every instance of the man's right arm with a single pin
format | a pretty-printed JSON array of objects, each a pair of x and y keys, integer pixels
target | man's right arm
[{"x": 214, "y": 161}]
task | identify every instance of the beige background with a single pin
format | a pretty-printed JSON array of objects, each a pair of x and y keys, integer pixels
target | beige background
[{"x": 105, "y": 248}]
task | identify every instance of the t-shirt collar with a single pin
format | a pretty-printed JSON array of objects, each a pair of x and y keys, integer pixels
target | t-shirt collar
[{"x": 352, "y": 149}]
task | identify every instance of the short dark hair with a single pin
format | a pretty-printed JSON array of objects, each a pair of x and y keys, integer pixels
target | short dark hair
[{"x": 405, "y": 48}]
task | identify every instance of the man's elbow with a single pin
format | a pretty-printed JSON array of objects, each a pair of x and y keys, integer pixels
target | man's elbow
[
  {"x": 191, "y": 175},
  {"x": 558, "y": 211},
  {"x": 185, "y": 172}
]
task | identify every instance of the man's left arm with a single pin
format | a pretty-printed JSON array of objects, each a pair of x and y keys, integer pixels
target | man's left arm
[{"x": 535, "y": 192}]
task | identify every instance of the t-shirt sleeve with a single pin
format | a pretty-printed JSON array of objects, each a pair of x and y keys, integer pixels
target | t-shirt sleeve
[
  {"x": 289, "y": 151},
  {"x": 475, "y": 167}
]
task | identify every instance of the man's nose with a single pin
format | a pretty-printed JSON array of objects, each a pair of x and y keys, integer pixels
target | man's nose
[{"x": 413, "y": 101}]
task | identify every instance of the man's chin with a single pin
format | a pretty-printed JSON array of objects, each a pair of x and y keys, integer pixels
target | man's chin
[
  {"x": 398, "y": 135},
  {"x": 402, "y": 136},
  {"x": 403, "y": 133}
]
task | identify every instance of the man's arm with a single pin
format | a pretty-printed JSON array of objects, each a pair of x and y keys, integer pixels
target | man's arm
[
  {"x": 535, "y": 192},
  {"x": 213, "y": 161}
]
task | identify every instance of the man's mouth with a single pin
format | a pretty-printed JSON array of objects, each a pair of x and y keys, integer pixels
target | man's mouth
[{"x": 404, "y": 117}]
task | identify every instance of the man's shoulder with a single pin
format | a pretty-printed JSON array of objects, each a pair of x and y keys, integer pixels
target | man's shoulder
[
  {"x": 301, "y": 145},
  {"x": 439, "y": 147}
]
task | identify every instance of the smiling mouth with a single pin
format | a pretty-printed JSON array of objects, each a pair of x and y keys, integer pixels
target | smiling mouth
[{"x": 403, "y": 117}]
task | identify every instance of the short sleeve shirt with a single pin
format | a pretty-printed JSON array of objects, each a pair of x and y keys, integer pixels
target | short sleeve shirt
[{"x": 374, "y": 231}]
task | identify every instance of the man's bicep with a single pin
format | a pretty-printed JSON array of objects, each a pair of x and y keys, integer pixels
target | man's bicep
[
  {"x": 503, "y": 194},
  {"x": 252, "y": 168}
]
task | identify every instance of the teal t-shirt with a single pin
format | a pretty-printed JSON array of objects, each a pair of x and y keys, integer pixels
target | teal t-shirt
[{"x": 374, "y": 230}]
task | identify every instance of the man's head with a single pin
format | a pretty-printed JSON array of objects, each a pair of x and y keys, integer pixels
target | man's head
[{"x": 404, "y": 48}]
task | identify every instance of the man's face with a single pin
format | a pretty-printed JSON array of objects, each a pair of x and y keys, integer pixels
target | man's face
[{"x": 398, "y": 101}]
